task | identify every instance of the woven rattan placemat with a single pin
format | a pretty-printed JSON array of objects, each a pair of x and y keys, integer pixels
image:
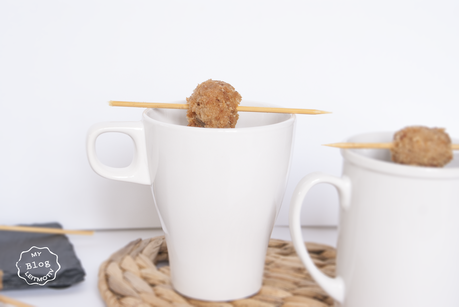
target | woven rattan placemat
[{"x": 131, "y": 277}]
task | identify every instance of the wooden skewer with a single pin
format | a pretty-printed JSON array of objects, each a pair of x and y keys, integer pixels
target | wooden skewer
[
  {"x": 158, "y": 105},
  {"x": 360, "y": 145},
  {"x": 10, "y": 301},
  {"x": 371, "y": 145},
  {"x": 46, "y": 230}
]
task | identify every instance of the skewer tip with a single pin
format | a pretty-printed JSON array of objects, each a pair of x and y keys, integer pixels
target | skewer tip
[
  {"x": 311, "y": 111},
  {"x": 337, "y": 145}
]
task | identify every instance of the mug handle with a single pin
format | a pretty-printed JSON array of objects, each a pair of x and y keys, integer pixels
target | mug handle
[
  {"x": 335, "y": 287},
  {"x": 137, "y": 171}
]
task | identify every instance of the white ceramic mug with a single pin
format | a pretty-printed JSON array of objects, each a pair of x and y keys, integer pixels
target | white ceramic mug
[
  {"x": 217, "y": 192},
  {"x": 398, "y": 236}
]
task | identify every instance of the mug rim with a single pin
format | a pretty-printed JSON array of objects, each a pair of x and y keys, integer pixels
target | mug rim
[
  {"x": 353, "y": 156},
  {"x": 291, "y": 118}
]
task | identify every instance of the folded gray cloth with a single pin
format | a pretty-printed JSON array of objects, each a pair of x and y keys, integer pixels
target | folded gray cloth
[{"x": 30, "y": 260}]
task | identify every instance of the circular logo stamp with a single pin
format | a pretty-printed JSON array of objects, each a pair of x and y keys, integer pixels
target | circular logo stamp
[{"x": 38, "y": 265}]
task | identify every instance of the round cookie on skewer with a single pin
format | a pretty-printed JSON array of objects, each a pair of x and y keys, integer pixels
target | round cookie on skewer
[
  {"x": 422, "y": 146},
  {"x": 213, "y": 104}
]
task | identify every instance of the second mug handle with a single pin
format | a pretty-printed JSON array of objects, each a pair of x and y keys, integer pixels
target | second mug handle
[
  {"x": 335, "y": 287},
  {"x": 137, "y": 171}
]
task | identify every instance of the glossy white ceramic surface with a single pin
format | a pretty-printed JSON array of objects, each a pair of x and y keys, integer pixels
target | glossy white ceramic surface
[
  {"x": 217, "y": 192},
  {"x": 398, "y": 242}
]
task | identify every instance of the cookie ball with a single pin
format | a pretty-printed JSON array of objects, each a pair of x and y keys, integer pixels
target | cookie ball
[
  {"x": 213, "y": 104},
  {"x": 422, "y": 146}
]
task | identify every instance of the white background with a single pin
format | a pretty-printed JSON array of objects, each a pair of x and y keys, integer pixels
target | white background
[{"x": 377, "y": 65}]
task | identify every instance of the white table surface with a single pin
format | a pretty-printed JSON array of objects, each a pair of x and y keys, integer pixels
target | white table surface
[{"x": 93, "y": 250}]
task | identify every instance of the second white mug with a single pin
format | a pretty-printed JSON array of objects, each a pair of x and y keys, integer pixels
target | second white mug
[{"x": 398, "y": 242}]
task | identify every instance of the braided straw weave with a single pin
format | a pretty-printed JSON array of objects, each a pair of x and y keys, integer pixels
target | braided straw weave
[{"x": 131, "y": 278}]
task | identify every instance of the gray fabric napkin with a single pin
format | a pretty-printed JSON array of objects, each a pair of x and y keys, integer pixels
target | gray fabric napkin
[{"x": 30, "y": 260}]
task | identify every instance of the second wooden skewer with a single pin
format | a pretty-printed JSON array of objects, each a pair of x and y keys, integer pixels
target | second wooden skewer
[
  {"x": 371, "y": 145},
  {"x": 158, "y": 105},
  {"x": 46, "y": 230}
]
